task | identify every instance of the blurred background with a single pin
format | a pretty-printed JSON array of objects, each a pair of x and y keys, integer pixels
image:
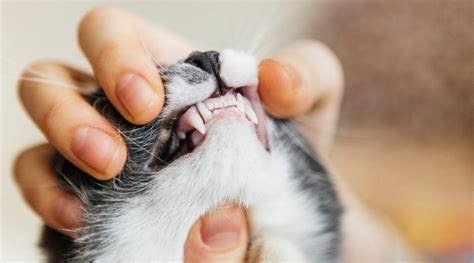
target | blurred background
[{"x": 405, "y": 142}]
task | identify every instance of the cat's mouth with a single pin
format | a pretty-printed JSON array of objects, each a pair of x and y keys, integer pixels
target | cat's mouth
[
  {"x": 235, "y": 98},
  {"x": 192, "y": 126},
  {"x": 240, "y": 104}
]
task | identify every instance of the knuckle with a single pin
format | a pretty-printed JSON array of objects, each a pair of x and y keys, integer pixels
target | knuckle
[
  {"x": 108, "y": 52},
  {"x": 21, "y": 162},
  {"x": 311, "y": 44},
  {"x": 50, "y": 119},
  {"x": 35, "y": 68},
  {"x": 18, "y": 164},
  {"x": 326, "y": 61},
  {"x": 97, "y": 14},
  {"x": 40, "y": 64}
]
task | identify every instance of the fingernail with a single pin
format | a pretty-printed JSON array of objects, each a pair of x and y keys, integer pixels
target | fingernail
[
  {"x": 222, "y": 228},
  {"x": 96, "y": 148},
  {"x": 135, "y": 94},
  {"x": 68, "y": 213}
]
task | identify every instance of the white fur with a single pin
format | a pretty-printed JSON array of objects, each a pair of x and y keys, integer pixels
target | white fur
[
  {"x": 155, "y": 227},
  {"x": 238, "y": 69}
]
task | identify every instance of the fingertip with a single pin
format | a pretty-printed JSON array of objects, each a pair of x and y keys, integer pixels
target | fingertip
[
  {"x": 141, "y": 97},
  {"x": 111, "y": 39},
  {"x": 221, "y": 230},
  {"x": 298, "y": 77},
  {"x": 278, "y": 88},
  {"x": 221, "y": 235}
]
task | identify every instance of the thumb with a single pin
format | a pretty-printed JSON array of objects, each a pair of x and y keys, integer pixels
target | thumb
[
  {"x": 220, "y": 236},
  {"x": 298, "y": 77},
  {"x": 304, "y": 78}
]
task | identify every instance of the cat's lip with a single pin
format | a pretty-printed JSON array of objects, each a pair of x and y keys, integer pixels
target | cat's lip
[{"x": 198, "y": 118}]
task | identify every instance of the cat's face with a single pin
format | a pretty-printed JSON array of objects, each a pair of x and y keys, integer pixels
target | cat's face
[
  {"x": 208, "y": 147},
  {"x": 205, "y": 91}
]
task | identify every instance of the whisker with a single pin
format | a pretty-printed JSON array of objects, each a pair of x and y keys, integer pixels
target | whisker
[
  {"x": 27, "y": 69},
  {"x": 147, "y": 51},
  {"x": 50, "y": 82},
  {"x": 77, "y": 191},
  {"x": 141, "y": 147}
]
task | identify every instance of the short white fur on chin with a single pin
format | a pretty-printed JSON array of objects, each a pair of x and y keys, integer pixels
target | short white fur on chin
[
  {"x": 187, "y": 189},
  {"x": 202, "y": 180},
  {"x": 238, "y": 68}
]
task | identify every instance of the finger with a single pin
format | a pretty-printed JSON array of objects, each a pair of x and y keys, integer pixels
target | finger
[
  {"x": 117, "y": 45},
  {"x": 298, "y": 77},
  {"x": 306, "y": 77},
  {"x": 39, "y": 187},
  {"x": 221, "y": 236},
  {"x": 70, "y": 124}
]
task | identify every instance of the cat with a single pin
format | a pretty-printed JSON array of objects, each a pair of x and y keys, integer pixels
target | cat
[{"x": 212, "y": 144}]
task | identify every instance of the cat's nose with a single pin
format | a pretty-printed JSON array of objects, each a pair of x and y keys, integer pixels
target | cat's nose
[{"x": 209, "y": 62}]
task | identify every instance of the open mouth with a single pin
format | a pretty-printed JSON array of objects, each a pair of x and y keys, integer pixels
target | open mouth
[
  {"x": 235, "y": 98},
  {"x": 240, "y": 103}
]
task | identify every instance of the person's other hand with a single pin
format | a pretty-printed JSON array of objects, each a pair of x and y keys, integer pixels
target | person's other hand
[{"x": 306, "y": 77}]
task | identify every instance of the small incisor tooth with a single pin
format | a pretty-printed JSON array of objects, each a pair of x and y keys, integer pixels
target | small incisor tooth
[
  {"x": 240, "y": 103},
  {"x": 231, "y": 101},
  {"x": 196, "y": 121},
  {"x": 205, "y": 113},
  {"x": 250, "y": 113}
]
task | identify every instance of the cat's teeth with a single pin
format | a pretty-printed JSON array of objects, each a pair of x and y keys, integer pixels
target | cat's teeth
[
  {"x": 196, "y": 138},
  {"x": 250, "y": 113},
  {"x": 240, "y": 103},
  {"x": 205, "y": 113},
  {"x": 210, "y": 105},
  {"x": 196, "y": 121},
  {"x": 196, "y": 116},
  {"x": 181, "y": 135},
  {"x": 231, "y": 101}
]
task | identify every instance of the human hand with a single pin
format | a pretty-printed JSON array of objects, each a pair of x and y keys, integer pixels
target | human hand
[{"x": 305, "y": 77}]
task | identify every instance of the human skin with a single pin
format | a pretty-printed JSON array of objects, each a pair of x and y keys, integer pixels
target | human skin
[{"x": 304, "y": 79}]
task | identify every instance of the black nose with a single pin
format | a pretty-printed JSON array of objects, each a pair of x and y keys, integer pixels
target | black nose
[{"x": 209, "y": 62}]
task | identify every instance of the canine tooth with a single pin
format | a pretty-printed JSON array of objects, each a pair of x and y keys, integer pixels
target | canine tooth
[
  {"x": 250, "y": 113},
  {"x": 196, "y": 121},
  {"x": 181, "y": 135},
  {"x": 196, "y": 138},
  {"x": 206, "y": 114},
  {"x": 240, "y": 103}
]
